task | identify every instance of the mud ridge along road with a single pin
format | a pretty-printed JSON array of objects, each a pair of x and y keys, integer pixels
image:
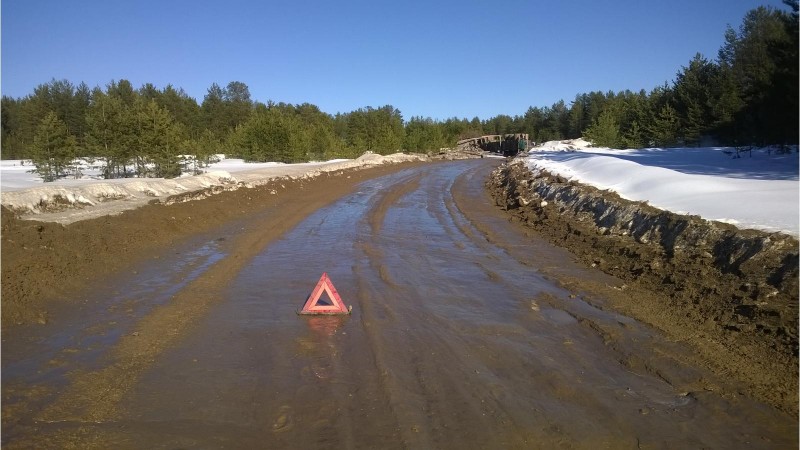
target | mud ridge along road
[{"x": 176, "y": 327}]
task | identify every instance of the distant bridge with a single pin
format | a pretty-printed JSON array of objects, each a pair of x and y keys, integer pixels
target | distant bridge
[{"x": 505, "y": 144}]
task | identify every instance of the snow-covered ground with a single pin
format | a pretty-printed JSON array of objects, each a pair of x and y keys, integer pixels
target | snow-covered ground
[
  {"x": 758, "y": 189},
  {"x": 91, "y": 196}
]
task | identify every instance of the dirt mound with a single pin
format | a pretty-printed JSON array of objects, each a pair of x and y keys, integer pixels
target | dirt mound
[
  {"x": 736, "y": 288},
  {"x": 460, "y": 152}
]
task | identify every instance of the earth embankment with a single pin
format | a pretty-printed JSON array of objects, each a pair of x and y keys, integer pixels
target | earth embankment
[{"x": 724, "y": 288}]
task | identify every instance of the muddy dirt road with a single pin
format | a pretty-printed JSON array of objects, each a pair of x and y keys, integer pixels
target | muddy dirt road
[{"x": 457, "y": 339}]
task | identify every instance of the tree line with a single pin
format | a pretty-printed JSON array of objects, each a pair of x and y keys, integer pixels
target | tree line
[
  {"x": 144, "y": 132},
  {"x": 748, "y": 95}
]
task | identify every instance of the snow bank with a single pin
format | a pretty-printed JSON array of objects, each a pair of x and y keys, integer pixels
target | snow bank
[
  {"x": 758, "y": 191},
  {"x": 68, "y": 201},
  {"x": 566, "y": 145}
]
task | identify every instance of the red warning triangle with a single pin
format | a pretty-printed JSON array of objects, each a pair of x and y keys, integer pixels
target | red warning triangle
[{"x": 336, "y": 305}]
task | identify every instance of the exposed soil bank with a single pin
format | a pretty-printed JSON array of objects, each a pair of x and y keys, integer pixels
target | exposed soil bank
[
  {"x": 722, "y": 288},
  {"x": 45, "y": 264}
]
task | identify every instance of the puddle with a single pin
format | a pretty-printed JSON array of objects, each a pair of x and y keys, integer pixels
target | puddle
[{"x": 78, "y": 338}]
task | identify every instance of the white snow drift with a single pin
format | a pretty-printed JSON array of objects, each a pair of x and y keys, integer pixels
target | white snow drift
[{"x": 757, "y": 189}]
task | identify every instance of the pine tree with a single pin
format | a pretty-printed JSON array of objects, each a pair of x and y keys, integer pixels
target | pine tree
[
  {"x": 183, "y": 109},
  {"x": 213, "y": 112},
  {"x": 424, "y": 135},
  {"x": 265, "y": 137},
  {"x": 386, "y": 128},
  {"x": 11, "y": 143},
  {"x": 53, "y": 147},
  {"x": 756, "y": 58},
  {"x": 238, "y": 104},
  {"x": 577, "y": 116},
  {"x": 604, "y": 132},
  {"x": 634, "y": 136},
  {"x": 77, "y": 116},
  {"x": 205, "y": 146},
  {"x": 122, "y": 89},
  {"x": 664, "y": 129},
  {"x": 158, "y": 139},
  {"x": 693, "y": 98},
  {"x": 110, "y": 133}
]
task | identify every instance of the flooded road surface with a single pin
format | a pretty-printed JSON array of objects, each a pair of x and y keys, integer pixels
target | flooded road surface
[{"x": 455, "y": 341}]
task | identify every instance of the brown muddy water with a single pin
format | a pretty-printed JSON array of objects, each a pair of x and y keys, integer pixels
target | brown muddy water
[{"x": 456, "y": 340}]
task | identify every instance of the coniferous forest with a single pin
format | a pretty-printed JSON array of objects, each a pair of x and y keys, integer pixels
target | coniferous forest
[{"x": 748, "y": 95}]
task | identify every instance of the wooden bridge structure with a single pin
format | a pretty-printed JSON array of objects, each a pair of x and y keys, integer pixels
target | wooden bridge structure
[{"x": 505, "y": 144}]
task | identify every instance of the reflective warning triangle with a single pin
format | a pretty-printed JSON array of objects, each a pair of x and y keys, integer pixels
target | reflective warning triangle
[{"x": 312, "y": 305}]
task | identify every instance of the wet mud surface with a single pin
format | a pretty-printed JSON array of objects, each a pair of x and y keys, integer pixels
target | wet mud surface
[
  {"x": 732, "y": 293},
  {"x": 466, "y": 332}
]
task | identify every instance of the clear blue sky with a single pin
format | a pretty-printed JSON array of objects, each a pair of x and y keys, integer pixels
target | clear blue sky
[{"x": 436, "y": 59}]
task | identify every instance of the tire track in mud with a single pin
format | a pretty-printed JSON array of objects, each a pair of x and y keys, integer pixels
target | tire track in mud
[
  {"x": 421, "y": 404},
  {"x": 377, "y": 315},
  {"x": 613, "y": 334},
  {"x": 490, "y": 408},
  {"x": 388, "y": 198}
]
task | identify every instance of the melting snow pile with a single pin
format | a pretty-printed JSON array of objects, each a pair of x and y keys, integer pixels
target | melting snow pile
[
  {"x": 754, "y": 189},
  {"x": 25, "y": 192},
  {"x": 567, "y": 145}
]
